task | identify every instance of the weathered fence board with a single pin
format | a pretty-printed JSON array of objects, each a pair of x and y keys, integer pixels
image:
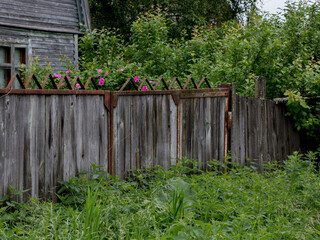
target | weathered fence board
[
  {"x": 46, "y": 138},
  {"x": 260, "y": 132},
  {"x": 145, "y": 132},
  {"x": 203, "y": 129}
]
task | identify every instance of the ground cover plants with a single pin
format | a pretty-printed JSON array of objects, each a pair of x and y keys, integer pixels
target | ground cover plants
[{"x": 283, "y": 202}]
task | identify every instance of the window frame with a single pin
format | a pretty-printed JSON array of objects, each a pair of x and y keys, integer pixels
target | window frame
[{"x": 12, "y": 66}]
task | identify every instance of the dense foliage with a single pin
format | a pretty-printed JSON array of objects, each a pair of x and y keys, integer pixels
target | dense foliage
[
  {"x": 284, "y": 48},
  {"x": 181, "y": 203},
  {"x": 182, "y": 15}
]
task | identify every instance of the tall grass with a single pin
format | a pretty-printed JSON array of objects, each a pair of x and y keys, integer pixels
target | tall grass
[{"x": 280, "y": 203}]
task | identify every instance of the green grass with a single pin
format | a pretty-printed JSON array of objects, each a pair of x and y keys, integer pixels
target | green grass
[{"x": 180, "y": 203}]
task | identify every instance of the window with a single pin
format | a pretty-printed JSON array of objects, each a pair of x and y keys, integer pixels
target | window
[{"x": 11, "y": 58}]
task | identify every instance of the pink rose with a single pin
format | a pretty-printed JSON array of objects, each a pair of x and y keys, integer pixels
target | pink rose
[
  {"x": 99, "y": 70},
  {"x": 69, "y": 71},
  {"x": 68, "y": 78},
  {"x": 145, "y": 88},
  {"x": 136, "y": 78},
  {"x": 57, "y": 75},
  {"x": 101, "y": 81},
  {"x": 78, "y": 85},
  {"x": 106, "y": 74}
]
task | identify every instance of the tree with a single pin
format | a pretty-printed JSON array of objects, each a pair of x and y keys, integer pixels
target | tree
[{"x": 183, "y": 14}]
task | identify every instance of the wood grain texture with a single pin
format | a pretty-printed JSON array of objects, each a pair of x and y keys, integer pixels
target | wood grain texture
[
  {"x": 44, "y": 140},
  {"x": 145, "y": 131},
  {"x": 261, "y": 132},
  {"x": 57, "y": 15},
  {"x": 203, "y": 129},
  {"x": 47, "y": 46}
]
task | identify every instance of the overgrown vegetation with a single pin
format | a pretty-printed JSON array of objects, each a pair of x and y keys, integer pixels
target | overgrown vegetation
[
  {"x": 182, "y": 15},
  {"x": 180, "y": 203},
  {"x": 284, "y": 48}
]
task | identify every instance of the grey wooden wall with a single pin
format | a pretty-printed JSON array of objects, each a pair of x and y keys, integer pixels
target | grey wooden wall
[
  {"x": 53, "y": 15},
  {"x": 261, "y": 132},
  {"x": 47, "y": 138},
  {"x": 47, "y": 46}
]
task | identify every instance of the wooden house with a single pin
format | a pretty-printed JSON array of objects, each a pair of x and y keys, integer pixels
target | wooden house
[{"x": 46, "y": 29}]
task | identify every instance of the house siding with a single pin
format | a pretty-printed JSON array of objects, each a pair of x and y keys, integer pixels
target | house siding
[
  {"x": 47, "y": 46},
  {"x": 53, "y": 15}
]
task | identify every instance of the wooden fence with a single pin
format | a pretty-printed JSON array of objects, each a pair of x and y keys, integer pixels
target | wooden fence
[
  {"x": 50, "y": 135},
  {"x": 260, "y": 132}
]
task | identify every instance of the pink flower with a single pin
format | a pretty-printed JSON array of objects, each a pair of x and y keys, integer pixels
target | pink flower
[
  {"x": 69, "y": 71},
  {"x": 136, "y": 78},
  {"x": 79, "y": 76},
  {"x": 68, "y": 78},
  {"x": 78, "y": 85},
  {"x": 99, "y": 70},
  {"x": 57, "y": 75},
  {"x": 121, "y": 69},
  {"x": 106, "y": 74},
  {"x": 101, "y": 81},
  {"x": 145, "y": 88},
  {"x": 151, "y": 81}
]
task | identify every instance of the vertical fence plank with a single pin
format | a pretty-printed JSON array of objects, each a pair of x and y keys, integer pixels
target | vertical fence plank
[
  {"x": 173, "y": 120},
  {"x": 2, "y": 143},
  {"x": 103, "y": 133},
  {"x": 208, "y": 141},
  {"x": 150, "y": 132},
  {"x": 221, "y": 119}
]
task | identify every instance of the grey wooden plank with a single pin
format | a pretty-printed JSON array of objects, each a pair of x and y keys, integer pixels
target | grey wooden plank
[
  {"x": 11, "y": 141},
  {"x": 103, "y": 134},
  {"x": 39, "y": 14},
  {"x": 214, "y": 132},
  {"x": 34, "y": 161},
  {"x": 221, "y": 122},
  {"x": 127, "y": 133},
  {"x": 235, "y": 129},
  {"x": 67, "y": 138},
  {"x": 259, "y": 137},
  {"x": 136, "y": 136},
  {"x": 158, "y": 132},
  {"x": 165, "y": 159},
  {"x": 195, "y": 129},
  {"x": 2, "y": 143},
  {"x": 50, "y": 155},
  {"x": 173, "y": 131},
  {"x": 40, "y": 145},
  {"x": 80, "y": 138},
  {"x": 22, "y": 144},
  {"x": 95, "y": 135},
  {"x": 208, "y": 141},
  {"x": 150, "y": 132},
  {"x": 119, "y": 124}
]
